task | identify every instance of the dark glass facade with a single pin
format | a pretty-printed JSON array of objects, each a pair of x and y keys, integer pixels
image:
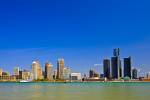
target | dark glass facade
[
  {"x": 127, "y": 67},
  {"x": 106, "y": 67},
  {"x": 120, "y": 71},
  {"x": 115, "y": 64}
]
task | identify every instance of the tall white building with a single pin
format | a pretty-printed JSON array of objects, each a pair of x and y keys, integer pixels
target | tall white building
[
  {"x": 60, "y": 68},
  {"x": 48, "y": 71},
  {"x": 36, "y": 70}
]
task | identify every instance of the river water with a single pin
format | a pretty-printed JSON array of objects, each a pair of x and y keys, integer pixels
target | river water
[{"x": 74, "y": 91}]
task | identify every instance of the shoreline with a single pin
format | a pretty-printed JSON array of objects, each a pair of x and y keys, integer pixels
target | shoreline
[{"x": 77, "y": 82}]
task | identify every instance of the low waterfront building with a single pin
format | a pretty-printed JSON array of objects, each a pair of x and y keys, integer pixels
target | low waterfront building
[
  {"x": 75, "y": 77},
  {"x": 6, "y": 77},
  {"x": 93, "y": 74}
]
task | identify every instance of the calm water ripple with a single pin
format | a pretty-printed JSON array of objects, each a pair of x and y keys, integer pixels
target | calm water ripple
[{"x": 74, "y": 91}]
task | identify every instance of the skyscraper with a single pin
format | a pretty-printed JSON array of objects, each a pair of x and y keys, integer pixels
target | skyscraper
[
  {"x": 116, "y": 64},
  {"x": 48, "y": 71},
  {"x": 134, "y": 73},
  {"x": 127, "y": 67},
  {"x": 106, "y": 68},
  {"x": 115, "y": 68},
  {"x": 60, "y": 68},
  {"x": 120, "y": 67},
  {"x": 36, "y": 70}
]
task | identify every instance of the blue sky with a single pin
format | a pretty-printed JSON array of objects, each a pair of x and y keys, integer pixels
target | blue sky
[{"x": 83, "y": 32}]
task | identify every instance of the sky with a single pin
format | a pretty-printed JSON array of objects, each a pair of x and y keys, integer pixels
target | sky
[{"x": 83, "y": 32}]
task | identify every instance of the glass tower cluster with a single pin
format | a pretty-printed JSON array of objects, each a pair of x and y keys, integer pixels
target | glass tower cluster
[{"x": 112, "y": 69}]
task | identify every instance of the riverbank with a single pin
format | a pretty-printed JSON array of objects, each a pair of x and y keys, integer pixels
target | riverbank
[{"x": 76, "y": 82}]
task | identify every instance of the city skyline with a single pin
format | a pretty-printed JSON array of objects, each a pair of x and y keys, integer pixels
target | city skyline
[
  {"x": 115, "y": 66},
  {"x": 84, "y": 70}
]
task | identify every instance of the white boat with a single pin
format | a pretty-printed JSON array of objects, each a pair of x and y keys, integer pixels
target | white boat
[{"x": 25, "y": 81}]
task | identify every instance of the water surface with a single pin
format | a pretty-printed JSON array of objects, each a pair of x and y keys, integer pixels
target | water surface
[{"x": 74, "y": 91}]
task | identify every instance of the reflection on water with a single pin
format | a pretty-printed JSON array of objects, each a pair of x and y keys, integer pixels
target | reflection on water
[{"x": 74, "y": 91}]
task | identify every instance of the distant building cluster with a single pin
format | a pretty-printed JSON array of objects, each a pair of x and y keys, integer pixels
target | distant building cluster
[
  {"x": 113, "y": 68},
  {"x": 61, "y": 74},
  {"x": 36, "y": 73},
  {"x": 112, "y": 71}
]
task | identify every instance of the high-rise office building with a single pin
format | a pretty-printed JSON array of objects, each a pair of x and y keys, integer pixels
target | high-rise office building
[
  {"x": 134, "y": 73},
  {"x": 120, "y": 67},
  {"x": 115, "y": 68},
  {"x": 127, "y": 67},
  {"x": 48, "y": 71},
  {"x": 36, "y": 70},
  {"x": 60, "y": 68},
  {"x": 116, "y": 64},
  {"x": 106, "y": 68}
]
